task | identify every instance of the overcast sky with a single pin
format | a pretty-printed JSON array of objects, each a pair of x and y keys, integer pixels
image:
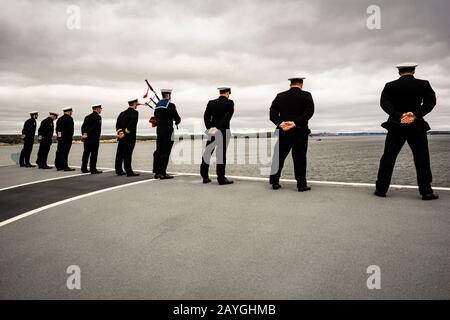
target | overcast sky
[{"x": 196, "y": 46}]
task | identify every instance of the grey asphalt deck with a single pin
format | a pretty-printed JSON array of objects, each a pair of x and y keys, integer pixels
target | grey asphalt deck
[{"x": 180, "y": 239}]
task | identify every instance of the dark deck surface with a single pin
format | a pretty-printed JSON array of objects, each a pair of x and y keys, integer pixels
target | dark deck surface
[
  {"x": 180, "y": 239},
  {"x": 21, "y": 199}
]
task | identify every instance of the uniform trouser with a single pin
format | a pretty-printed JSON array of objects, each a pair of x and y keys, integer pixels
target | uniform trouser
[
  {"x": 62, "y": 153},
  {"x": 418, "y": 143},
  {"x": 161, "y": 156},
  {"x": 26, "y": 152},
  {"x": 221, "y": 141},
  {"x": 44, "y": 149},
  {"x": 299, "y": 145},
  {"x": 124, "y": 154},
  {"x": 90, "y": 154}
]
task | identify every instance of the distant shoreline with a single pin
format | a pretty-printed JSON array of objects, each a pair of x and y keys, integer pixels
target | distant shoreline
[{"x": 15, "y": 139}]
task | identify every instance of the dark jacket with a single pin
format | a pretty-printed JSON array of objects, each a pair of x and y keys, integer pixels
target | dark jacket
[
  {"x": 127, "y": 122},
  {"x": 293, "y": 105},
  {"x": 46, "y": 129},
  {"x": 29, "y": 129},
  {"x": 407, "y": 94},
  {"x": 65, "y": 126},
  {"x": 166, "y": 116},
  {"x": 218, "y": 113},
  {"x": 92, "y": 126}
]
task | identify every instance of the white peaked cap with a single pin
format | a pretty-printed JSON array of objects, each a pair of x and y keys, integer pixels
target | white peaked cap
[{"x": 407, "y": 65}]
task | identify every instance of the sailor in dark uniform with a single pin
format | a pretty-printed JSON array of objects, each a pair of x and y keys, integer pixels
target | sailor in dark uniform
[
  {"x": 64, "y": 136},
  {"x": 290, "y": 112},
  {"x": 45, "y": 136},
  {"x": 166, "y": 114},
  {"x": 91, "y": 131},
  {"x": 28, "y": 132},
  {"x": 126, "y": 126},
  {"x": 407, "y": 101},
  {"x": 217, "y": 118}
]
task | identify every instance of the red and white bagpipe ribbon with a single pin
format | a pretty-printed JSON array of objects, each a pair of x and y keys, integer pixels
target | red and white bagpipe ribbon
[{"x": 155, "y": 95}]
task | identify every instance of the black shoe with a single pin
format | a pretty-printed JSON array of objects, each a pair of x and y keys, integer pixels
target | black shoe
[
  {"x": 22, "y": 166},
  {"x": 207, "y": 180},
  {"x": 96, "y": 172},
  {"x": 276, "y": 186},
  {"x": 69, "y": 169},
  {"x": 166, "y": 177},
  {"x": 30, "y": 165},
  {"x": 303, "y": 189},
  {"x": 120, "y": 173},
  {"x": 59, "y": 169},
  {"x": 157, "y": 176},
  {"x": 225, "y": 181},
  {"x": 45, "y": 167},
  {"x": 84, "y": 170},
  {"x": 430, "y": 196},
  {"x": 379, "y": 194},
  {"x": 132, "y": 174}
]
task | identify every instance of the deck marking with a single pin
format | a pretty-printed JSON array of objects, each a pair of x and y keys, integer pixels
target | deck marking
[
  {"x": 351, "y": 184},
  {"x": 331, "y": 183},
  {"x": 259, "y": 179},
  {"x": 55, "y": 204}
]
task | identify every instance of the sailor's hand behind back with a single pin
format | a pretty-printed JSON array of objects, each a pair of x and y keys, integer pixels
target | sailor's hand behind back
[
  {"x": 407, "y": 118},
  {"x": 287, "y": 125},
  {"x": 212, "y": 131}
]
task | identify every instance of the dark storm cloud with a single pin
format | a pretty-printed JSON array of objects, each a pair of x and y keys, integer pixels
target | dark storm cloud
[{"x": 194, "y": 46}]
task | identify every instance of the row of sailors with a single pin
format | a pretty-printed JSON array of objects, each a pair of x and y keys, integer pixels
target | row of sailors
[{"x": 406, "y": 100}]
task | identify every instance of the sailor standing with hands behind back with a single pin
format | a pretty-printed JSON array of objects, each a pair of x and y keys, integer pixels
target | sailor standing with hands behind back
[
  {"x": 217, "y": 118},
  {"x": 290, "y": 112},
  {"x": 64, "y": 135},
  {"x": 45, "y": 137},
  {"x": 91, "y": 130},
  {"x": 407, "y": 100}
]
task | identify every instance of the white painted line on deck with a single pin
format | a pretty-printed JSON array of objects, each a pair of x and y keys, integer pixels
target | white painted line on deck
[
  {"x": 371, "y": 185},
  {"x": 331, "y": 183},
  {"x": 247, "y": 178},
  {"x": 55, "y": 204}
]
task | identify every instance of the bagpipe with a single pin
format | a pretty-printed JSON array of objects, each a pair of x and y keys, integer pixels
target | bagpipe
[
  {"x": 155, "y": 100},
  {"x": 152, "y": 120}
]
